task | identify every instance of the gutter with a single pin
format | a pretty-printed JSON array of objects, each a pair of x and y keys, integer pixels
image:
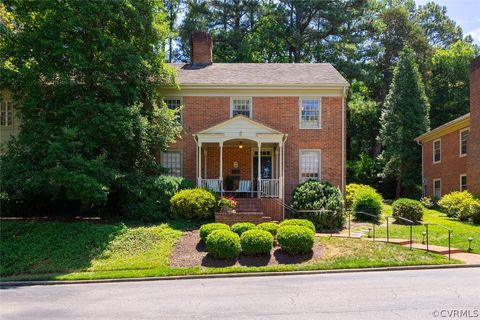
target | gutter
[{"x": 343, "y": 138}]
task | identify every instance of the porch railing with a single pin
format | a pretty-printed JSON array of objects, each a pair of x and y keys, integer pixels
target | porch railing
[
  {"x": 212, "y": 184},
  {"x": 270, "y": 187}
]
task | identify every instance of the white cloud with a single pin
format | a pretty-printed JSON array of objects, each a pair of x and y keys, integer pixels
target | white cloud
[{"x": 475, "y": 35}]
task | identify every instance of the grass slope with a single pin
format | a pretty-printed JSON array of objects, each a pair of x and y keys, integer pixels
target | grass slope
[{"x": 84, "y": 250}]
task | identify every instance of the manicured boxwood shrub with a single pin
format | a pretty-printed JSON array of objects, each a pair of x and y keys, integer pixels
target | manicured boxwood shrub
[
  {"x": 223, "y": 244},
  {"x": 271, "y": 227},
  {"x": 147, "y": 198},
  {"x": 318, "y": 195},
  {"x": 408, "y": 209},
  {"x": 256, "y": 241},
  {"x": 208, "y": 228},
  {"x": 295, "y": 239},
  {"x": 194, "y": 203},
  {"x": 241, "y": 227},
  {"x": 367, "y": 200},
  {"x": 298, "y": 222}
]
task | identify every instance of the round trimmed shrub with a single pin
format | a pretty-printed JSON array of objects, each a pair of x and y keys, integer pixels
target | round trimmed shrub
[
  {"x": 208, "y": 228},
  {"x": 298, "y": 222},
  {"x": 223, "y": 244},
  {"x": 271, "y": 227},
  {"x": 367, "y": 200},
  {"x": 408, "y": 209},
  {"x": 194, "y": 203},
  {"x": 317, "y": 195},
  {"x": 457, "y": 204},
  {"x": 476, "y": 212},
  {"x": 241, "y": 227},
  {"x": 256, "y": 241},
  {"x": 295, "y": 239},
  {"x": 351, "y": 189}
]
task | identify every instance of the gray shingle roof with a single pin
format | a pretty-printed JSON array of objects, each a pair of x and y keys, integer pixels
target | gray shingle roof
[{"x": 274, "y": 74}]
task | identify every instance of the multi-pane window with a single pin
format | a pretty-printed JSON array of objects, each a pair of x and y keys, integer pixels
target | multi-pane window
[
  {"x": 310, "y": 167},
  {"x": 172, "y": 161},
  {"x": 174, "y": 104},
  {"x": 463, "y": 142},
  {"x": 241, "y": 106},
  {"x": 310, "y": 117},
  {"x": 463, "y": 182},
  {"x": 437, "y": 150},
  {"x": 437, "y": 189},
  {"x": 6, "y": 113}
]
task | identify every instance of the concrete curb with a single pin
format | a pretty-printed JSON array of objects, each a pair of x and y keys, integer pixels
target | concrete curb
[{"x": 236, "y": 275}]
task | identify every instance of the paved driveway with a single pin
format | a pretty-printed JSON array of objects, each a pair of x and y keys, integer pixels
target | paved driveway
[{"x": 421, "y": 294}]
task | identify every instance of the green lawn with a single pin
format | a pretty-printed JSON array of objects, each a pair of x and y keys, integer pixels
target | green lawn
[
  {"x": 437, "y": 235},
  {"x": 86, "y": 250}
]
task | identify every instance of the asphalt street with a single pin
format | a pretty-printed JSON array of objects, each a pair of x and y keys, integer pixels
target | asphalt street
[{"x": 414, "y": 294}]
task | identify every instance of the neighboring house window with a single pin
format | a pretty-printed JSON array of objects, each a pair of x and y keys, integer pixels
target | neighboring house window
[
  {"x": 174, "y": 104},
  {"x": 310, "y": 114},
  {"x": 463, "y": 182},
  {"x": 463, "y": 142},
  {"x": 310, "y": 165},
  {"x": 437, "y": 188},
  {"x": 437, "y": 150},
  {"x": 241, "y": 106},
  {"x": 172, "y": 161},
  {"x": 6, "y": 113}
]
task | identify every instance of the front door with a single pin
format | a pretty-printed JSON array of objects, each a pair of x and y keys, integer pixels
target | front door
[{"x": 265, "y": 166}]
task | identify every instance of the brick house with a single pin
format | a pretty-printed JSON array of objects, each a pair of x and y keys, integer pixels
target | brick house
[
  {"x": 451, "y": 152},
  {"x": 286, "y": 121}
]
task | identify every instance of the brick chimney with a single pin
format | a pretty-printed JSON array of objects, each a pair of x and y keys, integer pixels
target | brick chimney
[
  {"x": 201, "y": 49},
  {"x": 473, "y": 151}
]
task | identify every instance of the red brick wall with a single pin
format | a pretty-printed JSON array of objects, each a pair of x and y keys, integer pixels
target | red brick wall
[
  {"x": 450, "y": 167},
  {"x": 280, "y": 113},
  {"x": 473, "y": 174}
]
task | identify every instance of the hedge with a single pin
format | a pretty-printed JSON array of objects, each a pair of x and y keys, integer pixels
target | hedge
[
  {"x": 407, "y": 209},
  {"x": 223, "y": 244},
  {"x": 295, "y": 239},
  {"x": 256, "y": 241},
  {"x": 194, "y": 203}
]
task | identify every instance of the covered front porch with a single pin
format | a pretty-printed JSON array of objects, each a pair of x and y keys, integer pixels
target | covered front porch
[{"x": 231, "y": 155}]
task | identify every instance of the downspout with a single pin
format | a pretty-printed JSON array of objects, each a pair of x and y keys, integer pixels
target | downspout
[
  {"x": 343, "y": 139},
  {"x": 196, "y": 158},
  {"x": 285, "y": 136},
  {"x": 423, "y": 177}
]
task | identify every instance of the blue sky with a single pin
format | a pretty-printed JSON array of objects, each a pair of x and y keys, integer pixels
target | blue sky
[{"x": 465, "y": 12}]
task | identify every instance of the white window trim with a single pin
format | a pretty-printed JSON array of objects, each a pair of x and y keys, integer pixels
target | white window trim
[
  {"x": 319, "y": 113},
  {"x": 181, "y": 104},
  {"x": 460, "y": 142},
  {"x": 433, "y": 151},
  {"x": 319, "y": 151},
  {"x": 241, "y": 98},
  {"x": 181, "y": 159},
  {"x": 460, "y": 180},
  {"x": 433, "y": 187},
  {"x": 8, "y": 126}
]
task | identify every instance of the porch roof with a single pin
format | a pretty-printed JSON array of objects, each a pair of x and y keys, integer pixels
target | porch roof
[{"x": 240, "y": 127}]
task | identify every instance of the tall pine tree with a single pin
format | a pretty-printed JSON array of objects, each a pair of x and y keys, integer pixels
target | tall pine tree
[{"x": 405, "y": 116}]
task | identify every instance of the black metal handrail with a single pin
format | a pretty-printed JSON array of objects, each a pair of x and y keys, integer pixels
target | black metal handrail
[
  {"x": 449, "y": 236},
  {"x": 365, "y": 213},
  {"x": 411, "y": 223}
]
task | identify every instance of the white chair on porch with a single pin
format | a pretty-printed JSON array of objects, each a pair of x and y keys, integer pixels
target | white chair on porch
[
  {"x": 213, "y": 185},
  {"x": 244, "y": 186}
]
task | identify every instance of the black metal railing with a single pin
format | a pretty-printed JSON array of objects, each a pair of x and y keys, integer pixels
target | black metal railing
[
  {"x": 410, "y": 223},
  {"x": 373, "y": 222},
  {"x": 449, "y": 236}
]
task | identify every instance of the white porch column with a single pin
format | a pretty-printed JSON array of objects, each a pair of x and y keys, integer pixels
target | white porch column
[
  {"x": 199, "y": 164},
  {"x": 205, "y": 172},
  {"x": 280, "y": 182},
  {"x": 220, "y": 174},
  {"x": 259, "y": 172}
]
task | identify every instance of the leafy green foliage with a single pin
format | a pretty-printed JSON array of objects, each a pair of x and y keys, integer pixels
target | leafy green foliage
[
  {"x": 426, "y": 202},
  {"x": 295, "y": 239},
  {"x": 271, "y": 227},
  {"x": 194, "y": 203},
  {"x": 85, "y": 77},
  {"x": 408, "y": 209},
  {"x": 461, "y": 205},
  {"x": 240, "y": 227},
  {"x": 316, "y": 195},
  {"x": 148, "y": 198},
  {"x": 208, "y": 228},
  {"x": 367, "y": 200},
  {"x": 404, "y": 118},
  {"x": 256, "y": 241},
  {"x": 351, "y": 191},
  {"x": 298, "y": 222},
  {"x": 224, "y": 244}
]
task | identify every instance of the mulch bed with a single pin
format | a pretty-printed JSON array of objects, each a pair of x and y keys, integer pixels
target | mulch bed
[{"x": 190, "y": 251}]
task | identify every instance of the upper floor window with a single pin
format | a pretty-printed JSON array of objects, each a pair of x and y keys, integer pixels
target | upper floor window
[
  {"x": 310, "y": 165},
  {"x": 174, "y": 104},
  {"x": 437, "y": 150},
  {"x": 6, "y": 113},
  {"x": 172, "y": 161},
  {"x": 463, "y": 142},
  {"x": 310, "y": 113},
  {"x": 463, "y": 182},
  {"x": 241, "y": 106}
]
